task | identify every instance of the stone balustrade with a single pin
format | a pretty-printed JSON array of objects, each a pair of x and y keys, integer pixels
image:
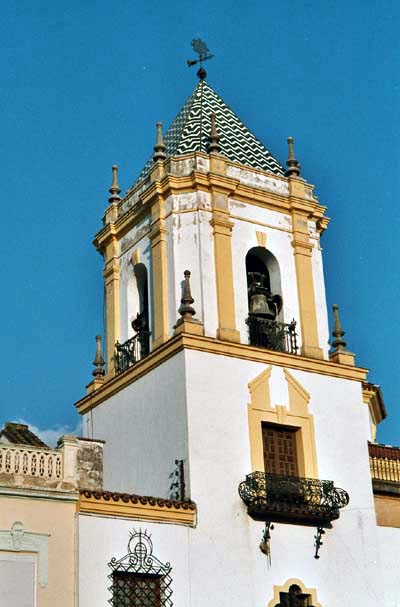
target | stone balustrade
[{"x": 75, "y": 464}]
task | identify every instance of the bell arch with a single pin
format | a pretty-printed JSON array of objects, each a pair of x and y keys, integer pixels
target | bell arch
[
  {"x": 264, "y": 276},
  {"x": 138, "y": 297}
]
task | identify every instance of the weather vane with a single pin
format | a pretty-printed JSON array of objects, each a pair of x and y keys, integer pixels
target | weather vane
[{"x": 201, "y": 49}]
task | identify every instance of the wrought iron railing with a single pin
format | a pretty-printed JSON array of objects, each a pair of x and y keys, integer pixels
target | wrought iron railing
[
  {"x": 272, "y": 334},
  {"x": 131, "y": 351},
  {"x": 291, "y": 499}
]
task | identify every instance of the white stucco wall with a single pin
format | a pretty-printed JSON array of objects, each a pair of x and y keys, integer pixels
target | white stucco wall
[
  {"x": 101, "y": 539},
  {"x": 219, "y": 562},
  {"x": 389, "y": 544},
  {"x": 219, "y": 444},
  {"x": 145, "y": 430}
]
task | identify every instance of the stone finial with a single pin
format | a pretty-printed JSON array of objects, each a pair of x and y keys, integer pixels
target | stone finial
[
  {"x": 159, "y": 148},
  {"x": 214, "y": 147},
  {"x": 98, "y": 360},
  {"x": 338, "y": 343},
  {"x": 292, "y": 164},
  {"x": 115, "y": 189},
  {"x": 186, "y": 310}
]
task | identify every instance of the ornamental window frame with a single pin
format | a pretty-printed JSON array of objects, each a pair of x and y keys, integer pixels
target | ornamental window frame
[{"x": 140, "y": 564}]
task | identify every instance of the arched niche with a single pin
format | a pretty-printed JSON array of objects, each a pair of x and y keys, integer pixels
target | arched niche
[
  {"x": 138, "y": 296},
  {"x": 260, "y": 260}
]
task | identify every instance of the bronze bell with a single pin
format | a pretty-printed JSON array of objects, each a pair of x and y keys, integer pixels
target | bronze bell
[
  {"x": 261, "y": 302},
  {"x": 259, "y": 306}
]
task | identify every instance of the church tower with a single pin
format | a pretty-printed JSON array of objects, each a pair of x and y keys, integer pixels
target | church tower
[{"x": 218, "y": 385}]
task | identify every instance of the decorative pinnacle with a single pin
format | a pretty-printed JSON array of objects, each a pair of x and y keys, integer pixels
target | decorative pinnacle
[
  {"x": 186, "y": 310},
  {"x": 98, "y": 360},
  {"x": 214, "y": 147},
  {"x": 338, "y": 343},
  {"x": 115, "y": 189},
  {"x": 159, "y": 148},
  {"x": 292, "y": 164}
]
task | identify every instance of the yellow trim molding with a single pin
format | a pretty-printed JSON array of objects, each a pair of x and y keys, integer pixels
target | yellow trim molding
[
  {"x": 222, "y": 231},
  {"x": 221, "y": 348},
  {"x": 137, "y": 507},
  {"x": 302, "y": 249},
  {"x": 158, "y": 238},
  {"x": 261, "y": 409},
  {"x": 112, "y": 302},
  {"x": 285, "y": 588},
  {"x": 372, "y": 396}
]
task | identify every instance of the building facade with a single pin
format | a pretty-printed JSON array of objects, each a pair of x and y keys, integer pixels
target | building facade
[{"x": 220, "y": 394}]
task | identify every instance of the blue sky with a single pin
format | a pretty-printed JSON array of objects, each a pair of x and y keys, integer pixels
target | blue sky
[{"x": 83, "y": 84}]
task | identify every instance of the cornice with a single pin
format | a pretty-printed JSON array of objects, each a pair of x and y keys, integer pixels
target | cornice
[
  {"x": 219, "y": 348},
  {"x": 197, "y": 180},
  {"x": 137, "y": 507},
  {"x": 39, "y": 493}
]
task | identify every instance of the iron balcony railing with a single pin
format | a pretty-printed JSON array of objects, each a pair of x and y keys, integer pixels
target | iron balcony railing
[
  {"x": 292, "y": 499},
  {"x": 272, "y": 334},
  {"x": 131, "y": 351}
]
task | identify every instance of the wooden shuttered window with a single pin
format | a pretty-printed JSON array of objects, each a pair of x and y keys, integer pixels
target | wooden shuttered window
[{"x": 280, "y": 454}]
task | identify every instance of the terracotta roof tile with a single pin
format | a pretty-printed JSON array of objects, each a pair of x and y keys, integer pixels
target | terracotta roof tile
[
  {"x": 139, "y": 499},
  {"x": 384, "y": 451},
  {"x": 19, "y": 434}
]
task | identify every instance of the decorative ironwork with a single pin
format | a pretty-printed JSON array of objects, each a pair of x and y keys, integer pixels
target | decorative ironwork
[
  {"x": 177, "y": 488},
  {"x": 140, "y": 578},
  {"x": 295, "y": 597},
  {"x": 291, "y": 499},
  {"x": 265, "y": 544},
  {"x": 201, "y": 49},
  {"x": 318, "y": 543},
  {"x": 135, "y": 348},
  {"x": 272, "y": 334}
]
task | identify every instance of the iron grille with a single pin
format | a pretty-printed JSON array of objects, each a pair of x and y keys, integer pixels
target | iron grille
[
  {"x": 272, "y": 335},
  {"x": 131, "y": 351},
  {"x": 139, "y": 579},
  {"x": 292, "y": 499}
]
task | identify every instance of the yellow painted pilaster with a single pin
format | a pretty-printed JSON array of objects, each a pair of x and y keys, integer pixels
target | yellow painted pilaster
[
  {"x": 302, "y": 249},
  {"x": 111, "y": 286},
  {"x": 222, "y": 231},
  {"x": 158, "y": 237}
]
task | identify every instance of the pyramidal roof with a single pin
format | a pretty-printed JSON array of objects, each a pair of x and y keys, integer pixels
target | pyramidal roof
[{"x": 190, "y": 130}]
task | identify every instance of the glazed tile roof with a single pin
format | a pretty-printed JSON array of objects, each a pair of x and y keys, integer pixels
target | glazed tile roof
[
  {"x": 189, "y": 132},
  {"x": 138, "y": 499},
  {"x": 19, "y": 434}
]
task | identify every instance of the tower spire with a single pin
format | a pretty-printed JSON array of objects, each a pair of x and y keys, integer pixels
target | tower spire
[
  {"x": 159, "y": 148},
  {"x": 114, "y": 189},
  {"x": 292, "y": 164}
]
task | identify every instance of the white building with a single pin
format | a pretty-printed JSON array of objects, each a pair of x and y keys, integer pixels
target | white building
[{"x": 223, "y": 400}]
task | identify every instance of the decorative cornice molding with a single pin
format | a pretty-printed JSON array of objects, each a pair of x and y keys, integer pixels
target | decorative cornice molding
[
  {"x": 106, "y": 503},
  {"x": 222, "y": 348}
]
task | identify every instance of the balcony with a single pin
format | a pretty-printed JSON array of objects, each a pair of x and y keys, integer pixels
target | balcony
[
  {"x": 131, "y": 351},
  {"x": 291, "y": 499},
  {"x": 272, "y": 334}
]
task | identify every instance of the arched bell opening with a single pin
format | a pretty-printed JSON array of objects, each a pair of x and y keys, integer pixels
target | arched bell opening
[
  {"x": 140, "y": 323},
  {"x": 266, "y": 329},
  {"x": 263, "y": 284}
]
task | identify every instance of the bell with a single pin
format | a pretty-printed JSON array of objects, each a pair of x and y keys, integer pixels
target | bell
[{"x": 259, "y": 306}]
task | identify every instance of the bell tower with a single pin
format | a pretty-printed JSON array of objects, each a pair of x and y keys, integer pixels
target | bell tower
[{"x": 218, "y": 370}]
